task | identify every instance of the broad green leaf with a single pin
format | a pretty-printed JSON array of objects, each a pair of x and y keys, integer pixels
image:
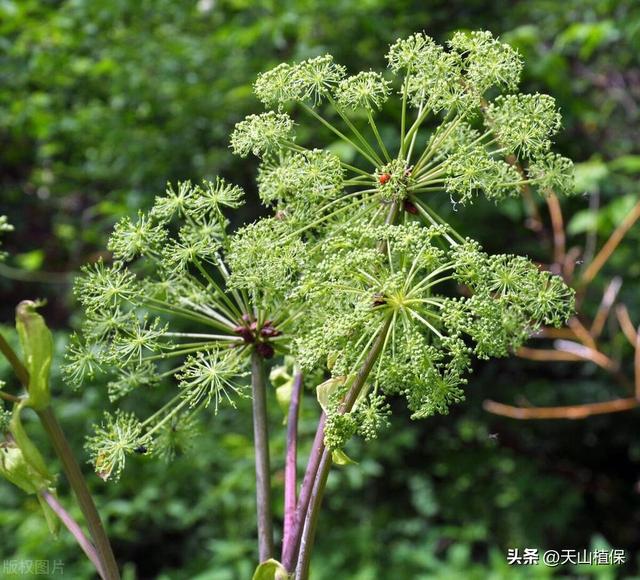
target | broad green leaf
[
  {"x": 588, "y": 36},
  {"x": 618, "y": 209},
  {"x": 14, "y": 468},
  {"x": 37, "y": 345}
]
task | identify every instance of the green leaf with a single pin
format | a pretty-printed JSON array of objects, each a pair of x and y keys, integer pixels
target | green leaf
[
  {"x": 588, "y": 36},
  {"x": 30, "y": 452},
  {"x": 15, "y": 469},
  {"x": 583, "y": 221},
  {"x": 326, "y": 389},
  {"x": 30, "y": 261},
  {"x": 339, "y": 457},
  {"x": 589, "y": 175},
  {"x": 37, "y": 345},
  {"x": 618, "y": 209},
  {"x": 282, "y": 380},
  {"x": 626, "y": 164},
  {"x": 270, "y": 570}
]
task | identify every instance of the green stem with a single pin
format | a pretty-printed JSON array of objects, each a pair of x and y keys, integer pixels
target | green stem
[
  {"x": 355, "y": 131},
  {"x": 433, "y": 218},
  {"x": 403, "y": 120},
  {"x": 71, "y": 470},
  {"x": 340, "y": 134},
  {"x": 416, "y": 125},
  {"x": 81, "y": 491},
  {"x": 263, "y": 470},
  {"x": 381, "y": 144},
  {"x": 232, "y": 311}
]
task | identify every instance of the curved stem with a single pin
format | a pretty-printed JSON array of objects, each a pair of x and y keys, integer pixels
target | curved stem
[
  {"x": 71, "y": 470},
  {"x": 325, "y": 455},
  {"x": 311, "y": 521},
  {"x": 261, "y": 444},
  {"x": 81, "y": 491},
  {"x": 76, "y": 531},
  {"x": 18, "y": 368},
  {"x": 290, "y": 548}
]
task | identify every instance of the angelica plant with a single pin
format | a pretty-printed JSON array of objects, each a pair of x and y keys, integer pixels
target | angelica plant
[
  {"x": 379, "y": 317},
  {"x": 354, "y": 276}
]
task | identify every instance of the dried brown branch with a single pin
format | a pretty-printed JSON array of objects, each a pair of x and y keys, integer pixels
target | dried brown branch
[
  {"x": 611, "y": 244},
  {"x": 608, "y": 298},
  {"x": 586, "y": 353},
  {"x": 570, "y": 263},
  {"x": 557, "y": 224},
  {"x": 551, "y": 332},
  {"x": 582, "y": 334},
  {"x": 564, "y": 412},
  {"x": 545, "y": 354},
  {"x": 622, "y": 314}
]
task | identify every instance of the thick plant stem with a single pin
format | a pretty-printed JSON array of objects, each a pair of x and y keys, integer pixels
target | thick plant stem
[
  {"x": 76, "y": 531},
  {"x": 81, "y": 491},
  {"x": 290, "y": 468},
  {"x": 320, "y": 459},
  {"x": 263, "y": 471},
  {"x": 324, "y": 463},
  {"x": 311, "y": 521},
  {"x": 290, "y": 547}
]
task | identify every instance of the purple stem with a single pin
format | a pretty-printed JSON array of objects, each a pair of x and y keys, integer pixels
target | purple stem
[
  {"x": 290, "y": 548},
  {"x": 290, "y": 472},
  {"x": 324, "y": 459},
  {"x": 311, "y": 519},
  {"x": 76, "y": 531}
]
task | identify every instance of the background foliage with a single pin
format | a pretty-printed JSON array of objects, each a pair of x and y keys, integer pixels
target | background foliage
[{"x": 104, "y": 101}]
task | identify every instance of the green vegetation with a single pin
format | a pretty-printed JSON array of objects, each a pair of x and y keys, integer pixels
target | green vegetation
[{"x": 104, "y": 103}]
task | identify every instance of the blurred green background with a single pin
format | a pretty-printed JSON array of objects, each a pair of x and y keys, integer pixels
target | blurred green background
[{"x": 104, "y": 101}]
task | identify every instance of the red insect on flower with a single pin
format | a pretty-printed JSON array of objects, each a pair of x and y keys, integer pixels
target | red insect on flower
[{"x": 384, "y": 178}]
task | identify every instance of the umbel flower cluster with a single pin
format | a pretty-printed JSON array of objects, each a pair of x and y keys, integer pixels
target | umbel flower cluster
[
  {"x": 354, "y": 274},
  {"x": 168, "y": 307}
]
